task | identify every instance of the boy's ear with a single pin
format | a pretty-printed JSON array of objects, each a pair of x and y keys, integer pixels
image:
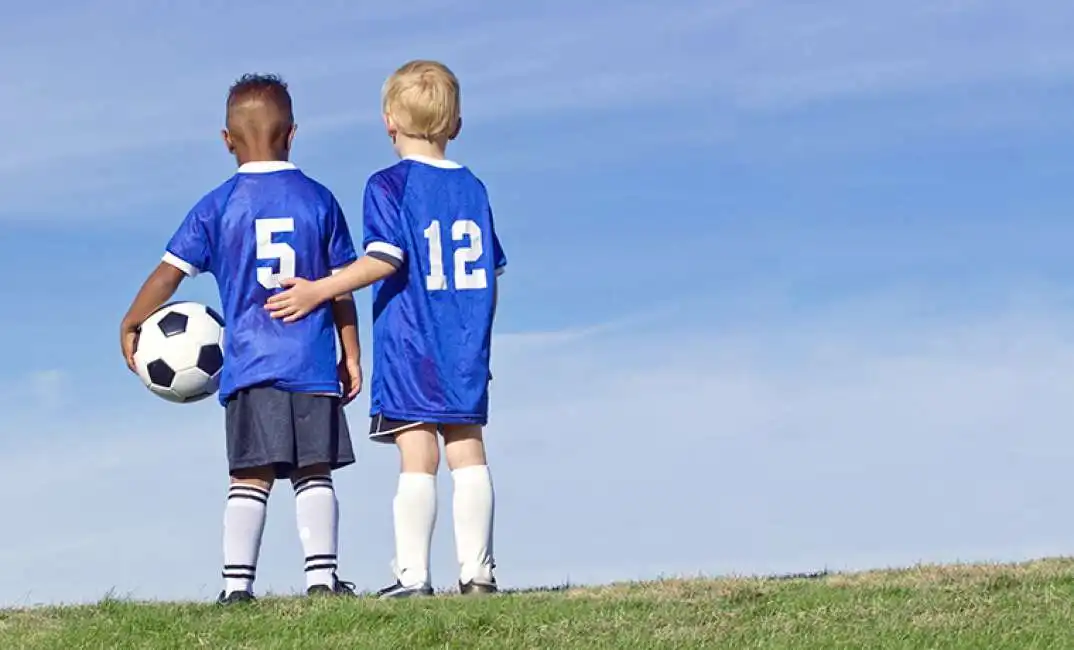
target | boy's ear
[
  {"x": 291, "y": 136},
  {"x": 227, "y": 140},
  {"x": 458, "y": 127},
  {"x": 389, "y": 126}
]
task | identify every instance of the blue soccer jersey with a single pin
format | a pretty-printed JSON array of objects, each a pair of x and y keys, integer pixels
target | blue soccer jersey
[
  {"x": 268, "y": 221},
  {"x": 432, "y": 319}
]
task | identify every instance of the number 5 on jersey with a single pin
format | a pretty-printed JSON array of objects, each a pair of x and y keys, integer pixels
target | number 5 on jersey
[
  {"x": 464, "y": 278},
  {"x": 267, "y": 249}
]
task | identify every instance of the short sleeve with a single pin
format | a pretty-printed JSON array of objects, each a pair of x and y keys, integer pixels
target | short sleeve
[
  {"x": 380, "y": 222},
  {"x": 340, "y": 245},
  {"x": 189, "y": 249},
  {"x": 499, "y": 258}
]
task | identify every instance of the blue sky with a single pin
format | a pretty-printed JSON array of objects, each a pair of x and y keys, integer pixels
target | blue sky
[{"x": 789, "y": 285}]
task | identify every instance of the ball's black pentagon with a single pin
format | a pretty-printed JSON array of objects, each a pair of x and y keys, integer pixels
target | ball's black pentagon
[
  {"x": 210, "y": 359},
  {"x": 215, "y": 316},
  {"x": 173, "y": 323},
  {"x": 160, "y": 373}
]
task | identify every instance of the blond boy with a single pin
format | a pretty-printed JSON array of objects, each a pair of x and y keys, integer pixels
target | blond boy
[{"x": 433, "y": 256}]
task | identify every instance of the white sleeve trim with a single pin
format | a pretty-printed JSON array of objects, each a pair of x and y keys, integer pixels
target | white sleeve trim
[
  {"x": 500, "y": 270},
  {"x": 385, "y": 248},
  {"x": 179, "y": 263}
]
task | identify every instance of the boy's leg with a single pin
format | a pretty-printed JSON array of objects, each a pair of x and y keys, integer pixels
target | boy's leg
[
  {"x": 473, "y": 507},
  {"x": 414, "y": 509},
  {"x": 244, "y": 524},
  {"x": 317, "y": 515},
  {"x": 255, "y": 448},
  {"x": 322, "y": 444}
]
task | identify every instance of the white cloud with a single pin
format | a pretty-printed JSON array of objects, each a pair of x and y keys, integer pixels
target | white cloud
[
  {"x": 860, "y": 436},
  {"x": 40, "y": 390},
  {"x": 108, "y": 111},
  {"x": 49, "y": 388}
]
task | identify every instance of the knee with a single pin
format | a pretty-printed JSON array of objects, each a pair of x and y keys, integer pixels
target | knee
[
  {"x": 464, "y": 446},
  {"x": 425, "y": 463},
  {"x": 419, "y": 451},
  {"x": 259, "y": 477}
]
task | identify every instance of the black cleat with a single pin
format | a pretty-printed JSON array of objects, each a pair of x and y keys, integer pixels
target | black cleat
[
  {"x": 235, "y": 598},
  {"x": 338, "y": 588},
  {"x": 398, "y": 590},
  {"x": 477, "y": 588}
]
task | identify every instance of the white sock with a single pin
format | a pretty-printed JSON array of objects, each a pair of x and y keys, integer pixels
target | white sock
[
  {"x": 473, "y": 507},
  {"x": 317, "y": 514},
  {"x": 244, "y": 523},
  {"x": 415, "y": 517}
]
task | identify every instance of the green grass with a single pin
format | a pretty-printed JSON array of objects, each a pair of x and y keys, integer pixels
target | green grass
[{"x": 979, "y": 607}]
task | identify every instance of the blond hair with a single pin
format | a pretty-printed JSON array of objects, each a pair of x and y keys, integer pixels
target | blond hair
[{"x": 422, "y": 100}]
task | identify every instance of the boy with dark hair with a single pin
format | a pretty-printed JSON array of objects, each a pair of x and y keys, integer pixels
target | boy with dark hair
[{"x": 280, "y": 384}]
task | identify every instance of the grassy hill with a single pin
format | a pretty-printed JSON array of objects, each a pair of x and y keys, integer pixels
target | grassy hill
[{"x": 977, "y": 607}]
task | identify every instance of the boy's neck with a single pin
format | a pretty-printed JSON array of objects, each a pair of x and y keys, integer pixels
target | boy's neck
[
  {"x": 260, "y": 155},
  {"x": 405, "y": 147}
]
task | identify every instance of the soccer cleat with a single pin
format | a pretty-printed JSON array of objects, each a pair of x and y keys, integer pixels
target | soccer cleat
[
  {"x": 338, "y": 588},
  {"x": 476, "y": 588},
  {"x": 235, "y": 597},
  {"x": 399, "y": 590}
]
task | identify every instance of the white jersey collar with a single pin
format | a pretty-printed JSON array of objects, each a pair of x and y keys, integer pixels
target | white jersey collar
[
  {"x": 435, "y": 162},
  {"x": 265, "y": 166}
]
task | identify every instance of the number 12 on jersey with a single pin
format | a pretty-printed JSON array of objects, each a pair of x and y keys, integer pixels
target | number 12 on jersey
[{"x": 463, "y": 278}]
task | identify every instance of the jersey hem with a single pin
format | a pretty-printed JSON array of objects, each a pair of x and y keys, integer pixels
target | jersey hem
[
  {"x": 322, "y": 388},
  {"x": 437, "y": 418}
]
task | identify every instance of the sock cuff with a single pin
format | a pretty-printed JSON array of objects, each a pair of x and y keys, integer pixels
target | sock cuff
[
  {"x": 416, "y": 480},
  {"x": 242, "y": 491},
  {"x": 472, "y": 473},
  {"x": 313, "y": 482}
]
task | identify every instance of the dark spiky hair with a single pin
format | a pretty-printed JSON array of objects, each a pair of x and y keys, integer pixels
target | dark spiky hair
[{"x": 269, "y": 87}]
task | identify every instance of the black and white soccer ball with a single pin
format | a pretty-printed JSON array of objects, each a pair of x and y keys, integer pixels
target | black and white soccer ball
[{"x": 181, "y": 351}]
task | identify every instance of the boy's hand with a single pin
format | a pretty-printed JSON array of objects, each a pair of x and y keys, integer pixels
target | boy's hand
[
  {"x": 128, "y": 341},
  {"x": 350, "y": 374},
  {"x": 301, "y": 297}
]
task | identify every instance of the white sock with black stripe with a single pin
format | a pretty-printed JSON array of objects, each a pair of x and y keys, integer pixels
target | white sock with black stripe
[
  {"x": 317, "y": 514},
  {"x": 244, "y": 523}
]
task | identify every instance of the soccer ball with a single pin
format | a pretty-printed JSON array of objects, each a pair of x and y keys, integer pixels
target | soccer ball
[{"x": 180, "y": 352}]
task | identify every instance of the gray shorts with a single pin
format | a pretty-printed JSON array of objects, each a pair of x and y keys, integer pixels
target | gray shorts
[
  {"x": 382, "y": 429},
  {"x": 267, "y": 426}
]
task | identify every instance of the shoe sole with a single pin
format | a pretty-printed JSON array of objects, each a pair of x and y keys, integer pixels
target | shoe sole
[{"x": 406, "y": 594}]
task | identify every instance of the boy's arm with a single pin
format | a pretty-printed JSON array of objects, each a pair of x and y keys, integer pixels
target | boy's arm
[
  {"x": 303, "y": 296},
  {"x": 157, "y": 289},
  {"x": 345, "y": 315},
  {"x": 384, "y": 254}
]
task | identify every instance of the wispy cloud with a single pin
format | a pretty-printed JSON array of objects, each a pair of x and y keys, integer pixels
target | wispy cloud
[
  {"x": 49, "y": 388},
  {"x": 857, "y": 436},
  {"x": 40, "y": 390},
  {"x": 96, "y": 105}
]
